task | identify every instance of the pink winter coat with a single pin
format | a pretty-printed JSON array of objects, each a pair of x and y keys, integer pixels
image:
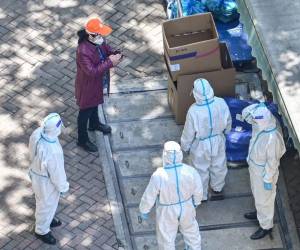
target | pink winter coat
[{"x": 88, "y": 83}]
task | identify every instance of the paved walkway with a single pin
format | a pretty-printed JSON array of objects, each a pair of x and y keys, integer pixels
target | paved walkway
[
  {"x": 37, "y": 70},
  {"x": 135, "y": 149}
]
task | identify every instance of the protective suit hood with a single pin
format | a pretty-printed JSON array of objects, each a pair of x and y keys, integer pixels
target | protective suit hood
[
  {"x": 175, "y": 191},
  {"x": 262, "y": 118},
  {"x": 202, "y": 91},
  {"x": 172, "y": 153},
  {"x": 51, "y": 126}
]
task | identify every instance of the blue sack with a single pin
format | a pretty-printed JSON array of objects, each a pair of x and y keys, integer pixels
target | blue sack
[{"x": 238, "y": 139}]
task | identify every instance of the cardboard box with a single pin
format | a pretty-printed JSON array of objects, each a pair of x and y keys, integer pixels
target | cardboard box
[
  {"x": 222, "y": 81},
  {"x": 191, "y": 45}
]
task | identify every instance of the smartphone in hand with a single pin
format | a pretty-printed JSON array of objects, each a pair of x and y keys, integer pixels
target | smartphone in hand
[{"x": 118, "y": 51}]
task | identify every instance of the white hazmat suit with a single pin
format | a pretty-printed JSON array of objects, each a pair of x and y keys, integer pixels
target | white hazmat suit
[
  {"x": 176, "y": 189},
  {"x": 47, "y": 171},
  {"x": 265, "y": 150},
  {"x": 203, "y": 136}
]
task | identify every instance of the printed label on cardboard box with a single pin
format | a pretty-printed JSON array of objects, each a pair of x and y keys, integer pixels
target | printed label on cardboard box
[{"x": 175, "y": 67}]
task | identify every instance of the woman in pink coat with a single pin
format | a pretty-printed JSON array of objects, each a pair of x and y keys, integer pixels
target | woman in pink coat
[{"x": 94, "y": 59}]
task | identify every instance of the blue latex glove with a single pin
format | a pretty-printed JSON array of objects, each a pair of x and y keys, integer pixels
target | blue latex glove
[
  {"x": 267, "y": 186},
  {"x": 144, "y": 216}
]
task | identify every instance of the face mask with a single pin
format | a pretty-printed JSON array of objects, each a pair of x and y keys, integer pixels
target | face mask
[{"x": 98, "y": 40}]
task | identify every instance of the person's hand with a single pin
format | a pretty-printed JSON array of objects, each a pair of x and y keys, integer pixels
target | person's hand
[
  {"x": 267, "y": 186},
  {"x": 115, "y": 59}
]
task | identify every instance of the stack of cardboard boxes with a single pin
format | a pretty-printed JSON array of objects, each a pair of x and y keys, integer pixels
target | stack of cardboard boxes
[{"x": 192, "y": 50}]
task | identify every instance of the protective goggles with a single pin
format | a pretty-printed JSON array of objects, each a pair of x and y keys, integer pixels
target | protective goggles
[{"x": 58, "y": 124}]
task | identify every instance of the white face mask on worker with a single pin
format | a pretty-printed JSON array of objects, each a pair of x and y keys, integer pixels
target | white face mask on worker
[{"x": 98, "y": 40}]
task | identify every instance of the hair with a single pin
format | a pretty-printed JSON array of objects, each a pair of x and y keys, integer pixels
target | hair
[{"x": 82, "y": 36}]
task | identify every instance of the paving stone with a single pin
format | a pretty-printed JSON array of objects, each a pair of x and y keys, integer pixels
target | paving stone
[
  {"x": 142, "y": 84},
  {"x": 225, "y": 212},
  {"x": 138, "y": 106},
  {"x": 225, "y": 239},
  {"x": 144, "y": 133},
  {"x": 140, "y": 226},
  {"x": 149, "y": 242},
  {"x": 132, "y": 189},
  {"x": 138, "y": 163},
  {"x": 228, "y": 211},
  {"x": 237, "y": 184}
]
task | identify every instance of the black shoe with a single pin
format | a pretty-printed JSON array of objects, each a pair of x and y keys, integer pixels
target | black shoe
[
  {"x": 251, "y": 216},
  {"x": 261, "y": 233},
  {"x": 88, "y": 146},
  {"x": 47, "y": 238},
  {"x": 217, "y": 196},
  {"x": 55, "y": 223},
  {"x": 106, "y": 129}
]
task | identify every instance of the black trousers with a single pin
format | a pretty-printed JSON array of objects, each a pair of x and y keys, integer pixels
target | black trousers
[{"x": 85, "y": 116}]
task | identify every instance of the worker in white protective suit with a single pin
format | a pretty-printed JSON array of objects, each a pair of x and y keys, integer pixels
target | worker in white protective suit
[
  {"x": 203, "y": 137},
  {"x": 47, "y": 175},
  {"x": 265, "y": 150},
  {"x": 176, "y": 189}
]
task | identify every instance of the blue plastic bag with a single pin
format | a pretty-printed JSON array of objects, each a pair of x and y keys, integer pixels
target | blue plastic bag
[
  {"x": 172, "y": 9},
  {"x": 191, "y": 7},
  {"x": 223, "y": 10}
]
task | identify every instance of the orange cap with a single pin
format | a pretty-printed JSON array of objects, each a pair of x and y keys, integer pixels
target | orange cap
[{"x": 95, "y": 25}]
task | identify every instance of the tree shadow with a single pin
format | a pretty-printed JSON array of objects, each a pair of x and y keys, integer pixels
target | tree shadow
[{"x": 37, "y": 68}]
